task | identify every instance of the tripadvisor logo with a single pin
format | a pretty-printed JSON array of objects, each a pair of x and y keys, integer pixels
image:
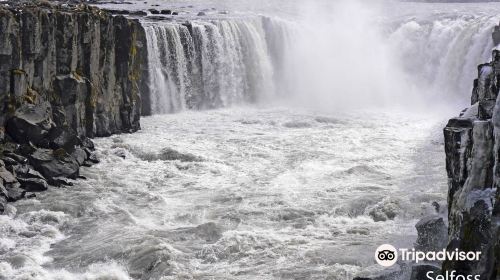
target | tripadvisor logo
[{"x": 387, "y": 255}]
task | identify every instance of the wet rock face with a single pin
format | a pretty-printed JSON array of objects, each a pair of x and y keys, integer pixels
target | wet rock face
[
  {"x": 86, "y": 63},
  {"x": 432, "y": 234},
  {"x": 67, "y": 73},
  {"x": 472, "y": 145}
]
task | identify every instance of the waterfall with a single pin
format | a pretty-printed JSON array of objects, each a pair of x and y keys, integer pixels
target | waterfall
[
  {"x": 441, "y": 52},
  {"x": 168, "y": 68},
  {"x": 204, "y": 64},
  {"x": 208, "y": 64}
]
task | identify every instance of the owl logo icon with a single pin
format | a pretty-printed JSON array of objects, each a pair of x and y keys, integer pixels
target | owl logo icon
[{"x": 386, "y": 255}]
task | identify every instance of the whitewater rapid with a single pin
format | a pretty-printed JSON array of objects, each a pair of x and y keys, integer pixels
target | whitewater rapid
[
  {"x": 303, "y": 184},
  {"x": 251, "y": 194}
]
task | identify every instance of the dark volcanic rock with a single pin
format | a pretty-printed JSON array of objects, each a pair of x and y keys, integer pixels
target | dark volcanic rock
[
  {"x": 63, "y": 137},
  {"x": 81, "y": 61},
  {"x": 33, "y": 184},
  {"x": 6, "y": 176},
  {"x": 11, "y": 187},
  {"x": 171, "y": 154},
  {"x": 30, "y": 123},
  {"x": 496, "y": 36},
  {"x": 79, "y": 155},
  {"x": 432, "y": 234},
  {"x": 138, "y": 13},
  {"x": 3, "y": 203},
  {"x": 56, "y": 163},
  {"x": 9, "y": 161},
  {"x": 61, "y": 182},
  {"x": 25, "y": 171},
  {"x": 472, "y": 159},
  {"x": 67, "y": 73},
  {"x": 92, "y": 158},
  {"x": 18, "y": 158},
  {"x": 87, "y": 143}
]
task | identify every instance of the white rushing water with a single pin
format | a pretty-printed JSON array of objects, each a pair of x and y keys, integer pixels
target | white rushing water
[
  {"x": 330, "y": 56},
  {"x": 251, "y": 194},
  {"x": 340, "y": 152},
  {"x": 207, "y": 64}
]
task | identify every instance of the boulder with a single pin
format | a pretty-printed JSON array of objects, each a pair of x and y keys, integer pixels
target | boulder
[
  {"x": 10, "y": 186},
  {"x": 9, "y": 161},
  {"x": 14, "y": 192},
  {"x": 169, "y": 154},
  {"x": 166, "y": 12},
  {"x": 80, "y": 155},
  {"x": 6, "y": 176},
  {"x": 432, "y": 234},
  {"x": 87, "y": 143},
  {"x": 3, "y": 204},
  {"x": 30, "y": 123},
  {"x": 154, "y": 12},
  {"x": 3, "y": 190},
  {"x": 386, "y": 209},
  {"x": 92, "y": 158},
  {"x": 63, "y": 137},
  {"x": 61, "y": 182},
  {"x": 10, "y": 147},
  {"x": 33, "y": 184},
  {"x": 138, "y": 13},
  {"x": 30, "y": 195},
  {"x": 54, "y": 163},
  {"x": 2, "y": 135},
  {"x": 18, "y": 158},
  {"x": 27, "y": 149},
  {"x": 119, "y": 12},
  {"x": 25, "y": 171}
]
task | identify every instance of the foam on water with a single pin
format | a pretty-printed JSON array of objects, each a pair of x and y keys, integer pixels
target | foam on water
[{"x": 245, "y": 196}]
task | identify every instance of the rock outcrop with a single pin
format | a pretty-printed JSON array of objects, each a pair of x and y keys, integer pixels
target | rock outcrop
[
  {"x": 67, "y": 73},
  {"x": 432, "y": 234},
  {"x": 472, "y": 145}
]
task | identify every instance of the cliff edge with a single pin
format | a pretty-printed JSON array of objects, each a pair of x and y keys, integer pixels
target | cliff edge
[
  {"x": 67, "y": 73},
  {"x": 472, "y": 145}
]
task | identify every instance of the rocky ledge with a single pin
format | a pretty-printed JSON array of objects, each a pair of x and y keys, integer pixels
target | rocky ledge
[
  {"x": 67, "y": 73},
  {"x": 472, "y": 145}
]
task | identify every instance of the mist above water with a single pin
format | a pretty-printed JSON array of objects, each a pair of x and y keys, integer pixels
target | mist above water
[
  {"x": 322, "y": 54},
  {"x": 339, "y": 57},
  {"x": 383, "y": 53}
]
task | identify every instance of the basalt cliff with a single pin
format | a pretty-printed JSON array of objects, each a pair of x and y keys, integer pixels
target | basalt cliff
[
  {"x": 67, "y": 73},
  {"x": 472, "y": 145}
]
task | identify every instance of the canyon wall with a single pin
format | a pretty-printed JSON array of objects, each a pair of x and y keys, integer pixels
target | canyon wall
[
  {"x": 83, "y": 61},
  {"x": 472, "y": 145},
  {"x": 67, "y": 73}
]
